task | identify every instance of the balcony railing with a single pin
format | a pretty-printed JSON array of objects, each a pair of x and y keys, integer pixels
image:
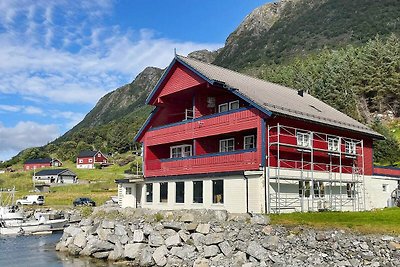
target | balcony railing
[
  {"x": 219, "y": 123},
  {"x": 207, "y": 163}
]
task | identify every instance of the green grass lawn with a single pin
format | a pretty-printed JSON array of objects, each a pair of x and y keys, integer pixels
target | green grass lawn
[
  {"x": 97, "y": 184},
  {"x": 377, "y": 221}
]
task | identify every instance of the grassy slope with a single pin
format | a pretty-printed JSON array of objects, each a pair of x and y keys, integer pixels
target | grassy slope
[
  {"x": 377, "y": 221},
  {"x": 97, "y": 184}
]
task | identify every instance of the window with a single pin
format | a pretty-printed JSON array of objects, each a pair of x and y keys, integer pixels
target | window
[
  {"x": 351, "y": 190},
  {"x": 319, "y": 189},
  {"x": 227, "y": 145},
  {"x": 228, "y": 106},
  {"x": 81, "y": 161},
  {"x": 303, "y": 139},
  {"x": 218, "y": 191},
  {"x": 234, "y": 105},
  {"x": 304, "y": 188},
  {"x": 198, "y": 192},
  {"x": 249, "y": 142},
  {"x": 333, "y": 144},
  {"x": 181, "y": 151},
  {"x": 90, "y": 160},
  {"x": 164, "y": 192},
  {"x": 149, "y": 193},
  {"x": 128, "y": 191},
  {"x": 99, "y": 155},
  {"x": 180, "y": 192},
  {"x": 223, "y": 107},
  {"x": 384, "y": 187},
  {"x": 350, "y": 147}
]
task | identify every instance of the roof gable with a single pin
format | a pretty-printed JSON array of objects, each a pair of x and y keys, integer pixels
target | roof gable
[{"x": 176, "y": 78}]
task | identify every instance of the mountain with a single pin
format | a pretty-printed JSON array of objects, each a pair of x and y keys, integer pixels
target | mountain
[
  {"x": 329, "y": 48},
  {"x": 274, "y": 33}
]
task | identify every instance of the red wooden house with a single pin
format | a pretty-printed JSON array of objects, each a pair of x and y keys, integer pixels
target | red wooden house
[
  {"x": 33, "y": 164},
  {"x": 88, "y": 158},
  {"x": 216, "y": 138}
]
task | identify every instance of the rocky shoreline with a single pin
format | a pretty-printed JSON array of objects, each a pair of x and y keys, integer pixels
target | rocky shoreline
[{"x": 200, "y": 238}]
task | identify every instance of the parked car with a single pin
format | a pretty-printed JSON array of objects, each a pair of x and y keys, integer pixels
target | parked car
[
  {"x": 84, "y": 201},
  {"x": 31, "y": 200}
]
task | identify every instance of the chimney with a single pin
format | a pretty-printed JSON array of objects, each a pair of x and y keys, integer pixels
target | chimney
[{"x": 300, "y": 93}]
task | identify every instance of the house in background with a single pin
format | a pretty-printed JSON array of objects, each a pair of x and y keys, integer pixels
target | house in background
[
  {"x": 55, "y": 176},
  {"x": 88, "y": 158},
  {"x": 33, "y": 164},
  {"x": 218, "y": 139}
]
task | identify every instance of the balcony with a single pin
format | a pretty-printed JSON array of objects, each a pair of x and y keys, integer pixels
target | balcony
[
  {"x": 219, "y": 123},
  {"x": 239, "y": 160}
]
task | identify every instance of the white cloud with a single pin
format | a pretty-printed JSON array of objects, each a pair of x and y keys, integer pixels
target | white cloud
[
  {"x": 79, "y": 60},
  {"x": 23, "y": 135},
  {"x": 19, "y": 108}
]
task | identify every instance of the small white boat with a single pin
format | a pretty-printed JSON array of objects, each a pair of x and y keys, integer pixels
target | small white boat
[{"x": 13, "y": 222}]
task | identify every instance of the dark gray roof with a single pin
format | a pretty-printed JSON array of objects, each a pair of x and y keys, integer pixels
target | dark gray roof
[
  {"x": 50, "y": 172},
  {"x": 40, "y": 160},
  {"x": 87, "y": 153},
  {"x": 276, "y": 98}
]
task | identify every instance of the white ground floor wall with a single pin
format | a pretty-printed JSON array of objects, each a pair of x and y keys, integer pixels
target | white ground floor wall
[
  {"x": 85, "y": 166},
  {"x": 247, "y": 193}
]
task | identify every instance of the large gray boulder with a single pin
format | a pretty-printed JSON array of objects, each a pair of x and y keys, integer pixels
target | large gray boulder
[
  {"x": 156, "y": 240},
  {"x": 203, "y": 228},
  {"x": 132, "y": 251},
  {"x": 211, "y": 251},
  {"x": 257, "y": 251},
  {"x": 173, "y": 241},
  {"x": 80, "y": 240},
  {"x": 213, "y": 239},
  {"x": 138, "y": 236},
  {"x": 159, "y": 256}
]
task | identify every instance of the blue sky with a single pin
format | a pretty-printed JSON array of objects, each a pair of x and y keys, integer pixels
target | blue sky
[{"x": 57, "y": 58}]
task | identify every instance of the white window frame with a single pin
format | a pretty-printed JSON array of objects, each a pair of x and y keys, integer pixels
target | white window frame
[
  {"x": 228, "y": 106},
  {"x": 223, "y": 105},
  {"x": 225, "y": 147},
  {"x": 182, "y": 153},
  {"x": 333, "y": 144},
  {"x": 302, "y": 141},
  {"x": 233, "y": 103},
  {"x": 80, "y": 160},
  {"x": 350, "y": 147},
  {"x": 319, "y": 189},
  {"x": 251, "y": 144},
  {"x": 90, "y": 160}
]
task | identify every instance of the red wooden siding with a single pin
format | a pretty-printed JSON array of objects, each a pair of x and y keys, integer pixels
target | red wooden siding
[
  {"x": 292, "y": 155},
  {"x": 33, "y": 166},
  {"x": 221, "y": 163}
]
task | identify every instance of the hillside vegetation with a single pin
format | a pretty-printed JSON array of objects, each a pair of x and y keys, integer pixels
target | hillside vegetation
[{"x": 276, "y": 32}]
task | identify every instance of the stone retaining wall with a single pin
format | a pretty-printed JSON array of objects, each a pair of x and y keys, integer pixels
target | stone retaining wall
[{"x": 215, "y": 238}]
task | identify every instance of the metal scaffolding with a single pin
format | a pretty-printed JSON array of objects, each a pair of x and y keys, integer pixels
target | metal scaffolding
[{"x": 327, "y": 170}]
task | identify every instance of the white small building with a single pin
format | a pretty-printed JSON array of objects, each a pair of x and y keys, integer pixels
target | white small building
[{"x": 54, "y": 176}]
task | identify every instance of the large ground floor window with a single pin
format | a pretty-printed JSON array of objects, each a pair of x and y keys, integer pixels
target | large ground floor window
[
  {"x": 149, "y": 193},
  {"x": 180, "y": 192},
  {"x": 164, "y": 192},
  {"x": 218, "y": 191},
  {"x": 198, "y": 192}
]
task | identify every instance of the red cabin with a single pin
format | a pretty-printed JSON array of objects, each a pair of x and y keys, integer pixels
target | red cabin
[
  {"x": 33, "y": 164},
  {"x": 221, "y": 136},
  {"x": 88, "y": 158}
]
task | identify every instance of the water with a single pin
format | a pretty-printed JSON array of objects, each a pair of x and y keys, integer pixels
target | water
[{"x": 38, "y": 251}]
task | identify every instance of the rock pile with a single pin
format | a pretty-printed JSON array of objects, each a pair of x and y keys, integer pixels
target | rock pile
[{"x": 216, "y": 238}]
